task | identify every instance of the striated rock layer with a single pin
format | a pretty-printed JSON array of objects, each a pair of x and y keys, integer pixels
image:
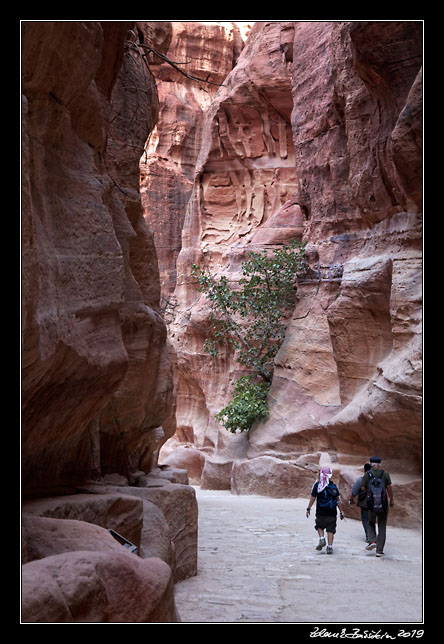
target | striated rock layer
[
  {"x": 244, "y": 175},
  {"x": 167, "y": 167},
  {"x": 315, "y": 134},
  {"x": 351, "y": 361},
  {"x": 97, "y": 381},
  {"x": 206, "y": 51},
  {"x": 52, "y": 593},
  {"x": 96, "y": 373}
]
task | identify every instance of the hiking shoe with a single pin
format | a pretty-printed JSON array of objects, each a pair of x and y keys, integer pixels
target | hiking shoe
[
  {"x": 371, "y": 546},
  {"x": 329, "y": 550},
  {"x": 321, "y": 544}
]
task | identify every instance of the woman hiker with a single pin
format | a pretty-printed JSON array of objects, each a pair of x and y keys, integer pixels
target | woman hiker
[{"x": 327, "y": 497}]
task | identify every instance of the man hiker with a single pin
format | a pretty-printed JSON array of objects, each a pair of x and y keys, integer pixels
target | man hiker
[
  {"x": 327, "y": 498},
  {"x": 378, "y": 485},
  {"x": 362, "y": 500}
]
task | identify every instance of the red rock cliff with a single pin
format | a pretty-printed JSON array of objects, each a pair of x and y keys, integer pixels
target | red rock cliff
[
  {"x": 203, "y": 51},
  {"x": 348, "y": 377},
  {"x": 243, "y": 176},
  {"x": 96, "y": 374},
  {"x": 97, "y": 379},
  {"x": 316, "y": 133}
]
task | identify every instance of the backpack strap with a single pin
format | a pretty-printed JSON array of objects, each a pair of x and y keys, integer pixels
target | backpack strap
[{"x": 372, "y": 476}]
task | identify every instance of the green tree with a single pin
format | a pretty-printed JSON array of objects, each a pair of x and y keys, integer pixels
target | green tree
[
  {"x": 252, "y": 319},
  {"x": 249, "y": 404}
]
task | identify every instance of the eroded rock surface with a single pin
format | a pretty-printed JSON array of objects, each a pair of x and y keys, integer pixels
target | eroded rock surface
[
  {"x": 96, "y": 374},
  {"x": 203, "y": 51},
  {"x": 316, "y": 135},
  {"x": 87, "y": 586},
  {"x": 97, "y": 381}
]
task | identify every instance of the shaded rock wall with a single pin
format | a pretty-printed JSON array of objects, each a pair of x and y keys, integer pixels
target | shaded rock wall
[
  {"x": 97, "y": 379},
  {"x": 96, "y": 373}
]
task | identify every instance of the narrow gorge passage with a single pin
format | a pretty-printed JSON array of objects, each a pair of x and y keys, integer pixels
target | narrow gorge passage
[
  {"x": 132, "y": 173},
  {"x": 257, "y": 562}
]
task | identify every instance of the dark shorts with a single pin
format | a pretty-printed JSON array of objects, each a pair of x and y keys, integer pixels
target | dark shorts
[{"x": 326, "y": 522}]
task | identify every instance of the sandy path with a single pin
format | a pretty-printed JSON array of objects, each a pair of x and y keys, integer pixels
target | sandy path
[{"x": 258, "y": 563}]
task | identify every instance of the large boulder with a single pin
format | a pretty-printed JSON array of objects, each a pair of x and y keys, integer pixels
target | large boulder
[
  {"x": 178, "y": 506},
  {"x": 43, "y": 537},
  {"x": 118, "y": 512},
  {"x": 87, "y": 586},
  {"x": 270, "y": 476}
]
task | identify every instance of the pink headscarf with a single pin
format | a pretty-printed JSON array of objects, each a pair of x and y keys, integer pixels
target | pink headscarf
[{"x": 324, "y": 478}]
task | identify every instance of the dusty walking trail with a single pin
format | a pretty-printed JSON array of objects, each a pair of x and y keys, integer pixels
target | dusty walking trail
[{"x": 258, "y": 563}]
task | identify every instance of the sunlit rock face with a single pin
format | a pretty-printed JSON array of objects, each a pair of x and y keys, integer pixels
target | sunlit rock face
[
  {"x": 350, "y": 367},
  {"x": 244, "y": 177},
  {"x": 167, "y": 167},
  {"x": 316, "y": 135},
  {"x": 201, "y": 51}
]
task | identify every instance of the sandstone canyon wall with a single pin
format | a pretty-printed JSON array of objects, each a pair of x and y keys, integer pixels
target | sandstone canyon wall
[
  {"x": 210, "y": 50},
  {"x": 315, "y": 134},
  {"x": 206, "y": 51},
  {"x": 97, "y": 380},
  {"x": 234, "y": 196}
]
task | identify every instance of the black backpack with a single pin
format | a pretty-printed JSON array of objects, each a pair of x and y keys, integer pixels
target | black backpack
[
  {"x": 376, "y": 494},
  {"x": 328, "y": 498}
]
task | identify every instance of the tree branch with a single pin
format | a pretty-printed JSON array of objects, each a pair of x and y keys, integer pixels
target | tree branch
[{"x": 137, "y": 46}]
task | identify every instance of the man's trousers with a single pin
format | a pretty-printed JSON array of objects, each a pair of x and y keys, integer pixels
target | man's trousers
[{"x": 379, "y": 538}]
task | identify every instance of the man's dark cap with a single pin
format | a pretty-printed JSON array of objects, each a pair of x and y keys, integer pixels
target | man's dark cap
[{"x": 375, "y": 459}]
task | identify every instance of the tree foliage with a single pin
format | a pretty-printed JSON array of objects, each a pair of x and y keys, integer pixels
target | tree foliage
[
  {"x": 249, "y": 404},
  {"x": 252, "y": 317}
]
